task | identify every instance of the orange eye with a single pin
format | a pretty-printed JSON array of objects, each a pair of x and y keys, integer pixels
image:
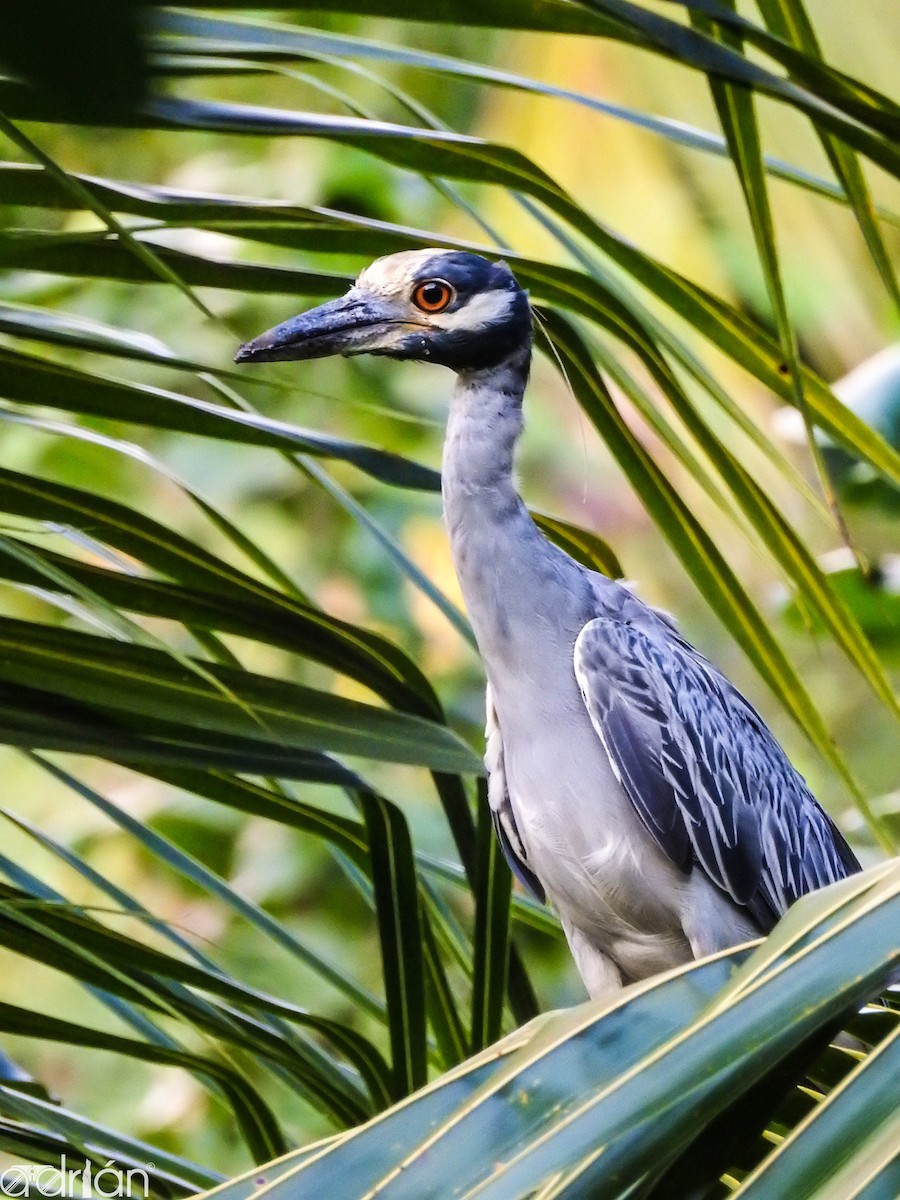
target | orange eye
[{"x": 433, "y": 295}]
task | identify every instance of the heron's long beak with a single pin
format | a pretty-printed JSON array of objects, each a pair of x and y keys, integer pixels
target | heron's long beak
[{"x": 355, "y": 324}]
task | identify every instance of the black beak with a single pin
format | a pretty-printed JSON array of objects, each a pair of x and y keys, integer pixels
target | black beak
[{"x": 351, "y": 325}]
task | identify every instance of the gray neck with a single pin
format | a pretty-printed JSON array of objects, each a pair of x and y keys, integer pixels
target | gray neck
[
  {"x": 484, "y": 426},
  {"x": 510, "y": 576}
]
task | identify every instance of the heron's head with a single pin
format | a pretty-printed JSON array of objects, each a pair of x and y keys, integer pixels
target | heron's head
[{"x": 443, "y": 306}]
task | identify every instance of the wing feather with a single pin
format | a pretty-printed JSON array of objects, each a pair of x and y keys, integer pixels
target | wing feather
[
  {"x": 502, "y": 813},
  {"x": 703, "y": 771}
]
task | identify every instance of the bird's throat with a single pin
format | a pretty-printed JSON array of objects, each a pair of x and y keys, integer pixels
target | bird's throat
[{"x": 483, "y": 428}]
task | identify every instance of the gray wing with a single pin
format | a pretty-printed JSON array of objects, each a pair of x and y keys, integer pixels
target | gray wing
[
  {"x": 702, "y": 769},
  {"x": 501, "y": 805}
]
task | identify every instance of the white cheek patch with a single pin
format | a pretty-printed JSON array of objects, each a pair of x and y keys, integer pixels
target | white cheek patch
[{"x": 484, "y": 309}]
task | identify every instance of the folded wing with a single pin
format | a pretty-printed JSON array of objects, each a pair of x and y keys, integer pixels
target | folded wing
[{"x": 705, "y": 774}]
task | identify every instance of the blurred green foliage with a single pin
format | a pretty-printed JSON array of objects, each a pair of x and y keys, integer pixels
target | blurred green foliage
[{"x": 679, "y": 204}]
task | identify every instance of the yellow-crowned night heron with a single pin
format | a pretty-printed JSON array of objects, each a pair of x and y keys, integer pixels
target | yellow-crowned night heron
[{"x": 630, "y": 783}]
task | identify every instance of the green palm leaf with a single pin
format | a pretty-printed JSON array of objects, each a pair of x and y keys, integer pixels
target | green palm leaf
[{"x": 572, "y": 1103}]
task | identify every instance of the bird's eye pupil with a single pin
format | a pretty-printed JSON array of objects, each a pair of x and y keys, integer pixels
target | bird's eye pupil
[{"x": 433, "y": 295}]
